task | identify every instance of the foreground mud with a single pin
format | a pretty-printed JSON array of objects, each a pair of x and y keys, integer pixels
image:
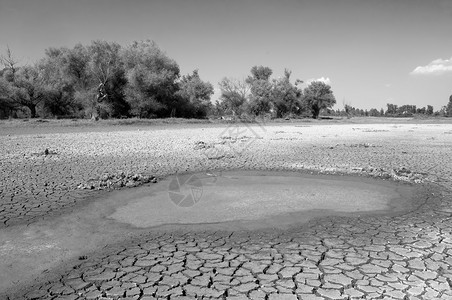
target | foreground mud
[
  {"x": 404, "y": 257},
  {"x": 387, "y": 257}
]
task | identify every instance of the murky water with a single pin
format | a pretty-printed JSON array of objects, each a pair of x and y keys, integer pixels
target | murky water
[{"x": 257, "y": 198}]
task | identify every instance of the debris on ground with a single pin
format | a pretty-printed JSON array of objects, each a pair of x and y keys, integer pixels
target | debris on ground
[
  {"x": 44, "y": 153},
  {"x": 202, "y": 145},
  {"x": 116, "y": 181},
  {"x": 399, "y": 174}
]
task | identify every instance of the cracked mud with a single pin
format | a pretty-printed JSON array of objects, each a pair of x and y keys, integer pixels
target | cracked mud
[{"x": 384, "y": 256}]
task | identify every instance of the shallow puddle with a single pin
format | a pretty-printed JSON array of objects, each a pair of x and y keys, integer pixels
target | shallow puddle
[
  {"x": 219, "y": 201},
  {"x": 257, "y": 198}
]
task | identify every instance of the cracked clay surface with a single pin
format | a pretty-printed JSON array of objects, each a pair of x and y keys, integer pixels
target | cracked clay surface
[{"x": 404, "y": 256}]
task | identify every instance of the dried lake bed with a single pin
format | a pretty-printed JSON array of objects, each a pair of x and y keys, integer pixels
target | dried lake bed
[{"x": 256, "y": 189}]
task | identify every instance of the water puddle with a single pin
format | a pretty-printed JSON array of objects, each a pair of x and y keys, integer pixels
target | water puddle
[
  {"x": 257, "y": 198},
  {"x": 220, "y": 201}
]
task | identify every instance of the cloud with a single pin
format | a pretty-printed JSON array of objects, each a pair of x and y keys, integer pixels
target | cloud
[
  {"x": 438, "y": 66},
  {"x": 326, "y": 80}
]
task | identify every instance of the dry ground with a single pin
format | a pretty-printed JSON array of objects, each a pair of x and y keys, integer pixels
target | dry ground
[{"x": 397, "y": 257}]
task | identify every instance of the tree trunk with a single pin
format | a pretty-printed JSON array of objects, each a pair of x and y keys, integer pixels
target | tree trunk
[
  {"x": 95, "y": 109},
  {"x": 315, "y": 112},
  {"x": 32, "y": 111},
  {"x": 95, "y": 114}
]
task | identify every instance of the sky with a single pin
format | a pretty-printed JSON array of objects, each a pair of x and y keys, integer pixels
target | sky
[{"x": 370, "y": 52}]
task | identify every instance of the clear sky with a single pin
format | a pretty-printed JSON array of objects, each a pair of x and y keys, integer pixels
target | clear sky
[{"x": 371, "y": 52}]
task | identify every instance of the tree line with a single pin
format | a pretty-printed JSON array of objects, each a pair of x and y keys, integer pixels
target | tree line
[
  {"x": 103, "y": 80},
  {"x": 257, "y": 95},
  {"x": 393, "y": 110},
  {"x": 107, "y": 80}
]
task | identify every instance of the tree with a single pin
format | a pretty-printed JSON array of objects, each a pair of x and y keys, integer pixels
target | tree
[
  {"x": 7, "y": 105},
  {"x": 28, "y": 89},
  {"x": 93, "y": 73},
  {"x": 406, "y": 110},
  {"x": 234, "y": 94},
  {"x": 286, "y": 97},
  {"x": 421, "y": 111},
  {"x": 68, "y": 71},
  {"x": 392, "y": 109},
  {"x": 260, "y": 100},
  {"x": 106, "y": 66},
  {"x": 74, "y": 66},
  {"x": 448, "y": 109},
  {"x": 7, "y": 77},
  {"x": 218, "y": 109},
  {"x": 260, "y": 73},
  {"x": 349, "y": 110},
  {"x": 9, "y": 62},
  {"x": 318, "y": 95},
  {"x": 261, "y": 90},
  {"x": 152, "y": 80},
  {"x": 373, "y": 112},
  {"x": 429, "y": 110},
  {"x": 25, "y": 86},
  {"x": 196, "y": 94},
  {"x": 60, "y": 100}
]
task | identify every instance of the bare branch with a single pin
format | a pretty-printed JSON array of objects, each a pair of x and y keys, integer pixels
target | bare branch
[{"x": 8, "y": 61}]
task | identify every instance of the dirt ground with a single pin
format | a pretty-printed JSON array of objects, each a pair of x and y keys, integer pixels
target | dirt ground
[{"x": 53, "y": 170}]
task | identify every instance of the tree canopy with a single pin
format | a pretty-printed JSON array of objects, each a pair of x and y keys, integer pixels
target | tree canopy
[
  {"x": 152, "y": 77},
  {"x": 287, "y": 97},
  {"x": 318, "y": 95},
  {"x": 449, "y": 107},
  {"x": 28, "y": 88},
  {"x": 260, "y": 99},
  {"x": 261, "y": 73},
  {"x": 234, "y": 94},
  {"x": 196, "y": 94}
]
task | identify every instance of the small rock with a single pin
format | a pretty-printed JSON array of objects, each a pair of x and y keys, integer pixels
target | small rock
[
  {"x": 131, "y": 184},
  {"x": 105, "y": 177},
  {"x": 118, "y": 184}
]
